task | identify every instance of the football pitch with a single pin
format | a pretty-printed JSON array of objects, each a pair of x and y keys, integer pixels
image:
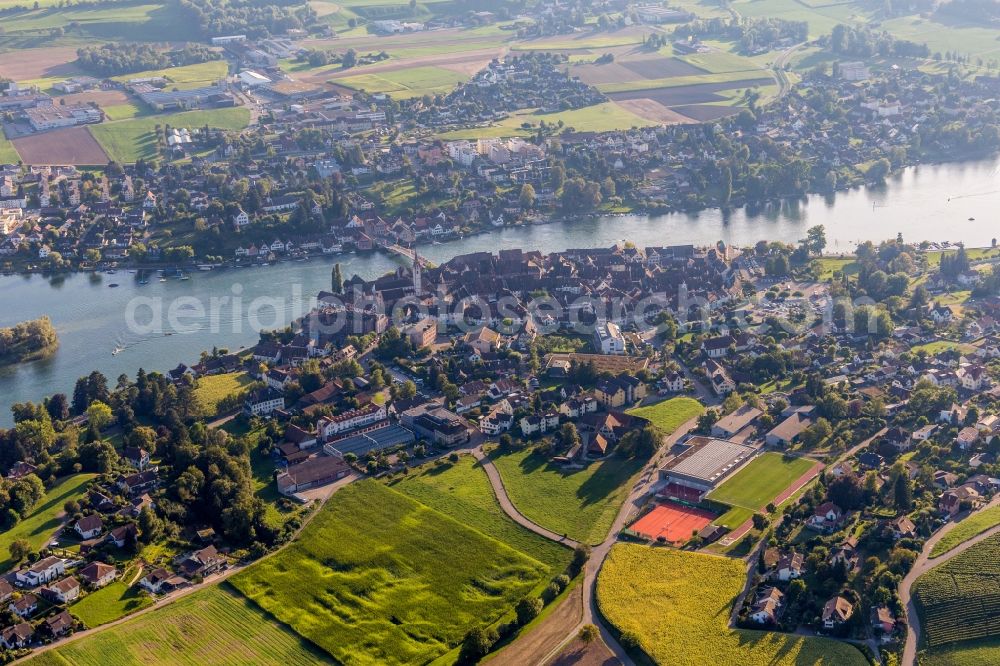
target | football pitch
[{"x": 761, "y": 481}]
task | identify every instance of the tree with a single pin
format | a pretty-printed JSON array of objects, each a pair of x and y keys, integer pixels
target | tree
[
  {"x": 477, "y": 644},
  {"x": 527, "y": 609},
  {"x": 350, "y": 59},
  {"x": 816, "y": 239},
  {"x": 588, "y": 633},
  {"x": 99, "y": 415},
  {"x": 903, "y": 492},
  {"x": 527, "y": 198},
  {"x": 337, "y": 279},
  {"x": 19, "y": 549}
]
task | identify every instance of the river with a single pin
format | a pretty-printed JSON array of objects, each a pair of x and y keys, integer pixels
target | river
[{"x": 930, "y": 202}]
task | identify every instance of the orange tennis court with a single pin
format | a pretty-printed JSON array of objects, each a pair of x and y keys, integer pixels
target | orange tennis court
[{"x": 673, "y": 522}]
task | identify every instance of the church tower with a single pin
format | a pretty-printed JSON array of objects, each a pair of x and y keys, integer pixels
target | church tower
[{"x": 416, "y": 272}]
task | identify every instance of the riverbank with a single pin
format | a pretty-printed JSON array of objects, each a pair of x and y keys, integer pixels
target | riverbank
[{"x": 927, "y": 202}]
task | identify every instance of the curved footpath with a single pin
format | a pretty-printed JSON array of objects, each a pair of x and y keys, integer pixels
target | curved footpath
[
  {"x": 636, "y": 498},
  {"x": 922, "y": 565},
  {"x": 508, "y": 507}
]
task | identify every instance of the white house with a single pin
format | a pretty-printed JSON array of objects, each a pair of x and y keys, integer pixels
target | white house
[
  {"x": 608, "y": 338},
  {"x": 42, "y": 571},
  {"x": 89, "y": 526}
]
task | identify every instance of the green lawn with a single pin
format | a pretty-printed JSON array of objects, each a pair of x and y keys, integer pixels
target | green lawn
[
  {"x": 579, "y": 503},
  {"x": 212, "y": 389},
  {"x": 7, "y": 153},
  {"x": 603, "y": 117},
  {"x": 211, "y": 627},
  {"x": 463, "y": 491},
  {"x": 185, "y": 77},
  {"x": 377, "y": 577},
  {"x": 125, "y": 111},
  {"x": 130, "y": 140},
  {"x": 972, "y": 526},
  {"x": 830, "y": 265},
  {"x": 938, "y": 346},
  {"x": 110, "y": 603},
  {"x": 670, "y": 414},
  {"x": 45, "y": 519},
  {"x": 405, "y": 83},
  {"x": 677, "y": 604},
  {"x": 757, "y": 484}
]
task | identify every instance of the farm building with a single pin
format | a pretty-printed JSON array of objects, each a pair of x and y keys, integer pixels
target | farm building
[
  {"x": 315, "y": 472},
  {"x": 705, "y": 463}
]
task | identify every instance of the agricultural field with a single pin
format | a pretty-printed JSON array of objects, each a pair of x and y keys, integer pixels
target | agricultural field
[
  {"x": 211, "y": 627},
  {"x": 213, "y": 389},
  {"x": 761, "y": 481},
  {"x": 110, "y": 603},
  {"x": 121, "y": 21},
  {"x": 966, "y": 653},
  {"x": 678, "y": 603},
  {"x": 70, "y": 145},
  {"x": 663, "y": 87},
  {"x": 46, "y": 518},
  {"x": 579, "y": 503},
  {"x": 959, "y": 600},
  {"x": 365, "y": 580},
  {"x": 971, "y": 527},
  {"x": 670, "y": 414},
  {"x": 406, "y": 83},
  {"x": 130, "y": 140},
  {"x": 462, "y": 491}
]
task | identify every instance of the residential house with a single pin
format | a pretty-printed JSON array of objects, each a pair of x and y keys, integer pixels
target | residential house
[
  {"x": 98, "y": 574},
  {"x": 836, "y": 612},
  {"x": 62, "y": 591},
  {"x": 826, "y": 518},
  {"x": 767, "y": 606},
  {"x": 89, "y": 527},
  {"x": 44, "y": 570},
  {"x": 25, "y": 606}
]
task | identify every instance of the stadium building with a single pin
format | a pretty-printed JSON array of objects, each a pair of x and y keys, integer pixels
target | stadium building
[{"x": 702, "y": 467}]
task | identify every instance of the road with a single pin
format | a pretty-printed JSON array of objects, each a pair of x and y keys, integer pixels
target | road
[
  {"x": 784, "y": 85},
  {"x": 706, "y": 395},
  {"x": 922, "y": 565}
]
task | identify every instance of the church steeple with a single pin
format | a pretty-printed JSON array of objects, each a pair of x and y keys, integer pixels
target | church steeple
[{"x": 416, "y": 271}]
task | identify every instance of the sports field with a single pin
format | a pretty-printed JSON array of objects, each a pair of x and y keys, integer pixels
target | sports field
[
  {"x": 210, "y": 627},
  {"x": 677, "y": 605},
  {"x": 377, "y": 577},
  {"x": 673, "y": 522},
  {"x": 763, "y": 480}
]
